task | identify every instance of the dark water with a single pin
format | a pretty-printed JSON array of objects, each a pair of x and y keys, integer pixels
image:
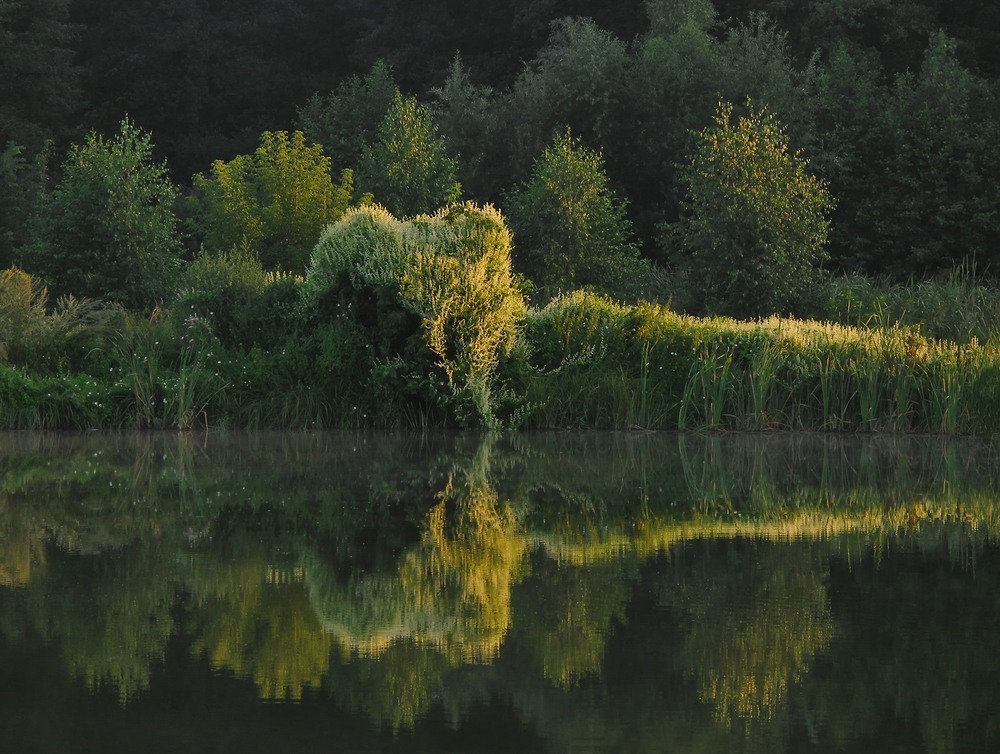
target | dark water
[{"x": 555, "y": 593}]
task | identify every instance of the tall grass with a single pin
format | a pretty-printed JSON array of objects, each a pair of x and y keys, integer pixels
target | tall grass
[
  {"x": 171, "y": 371},
  {"x": 582, "y": 360},
  {"x": 960, "y": 306},
  {"x": 775, "y": 373}
]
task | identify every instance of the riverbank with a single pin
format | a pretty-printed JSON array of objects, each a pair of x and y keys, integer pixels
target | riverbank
[{"x": 582, "y": 361}]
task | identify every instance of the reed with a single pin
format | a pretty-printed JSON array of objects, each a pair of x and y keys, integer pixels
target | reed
[
  {"x": 774, "y": 373},
  {"x": 581, "y": 361},
  {"x": 960, "y": 306}
]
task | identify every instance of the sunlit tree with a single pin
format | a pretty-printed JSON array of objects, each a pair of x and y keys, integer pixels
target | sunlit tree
[
  {"x": 754, "y": 221},
  {"x": 275, "y": 201},
  {"x": 570, "y": 228},
  {"x": 407, "y": 169}
]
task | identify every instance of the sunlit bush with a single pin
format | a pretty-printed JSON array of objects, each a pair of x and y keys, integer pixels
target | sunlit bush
[
  {"x": 44, "y": 340},
  {"x": 436, "y": 289}
]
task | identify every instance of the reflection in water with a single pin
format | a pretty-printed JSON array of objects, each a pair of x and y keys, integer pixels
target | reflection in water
[
  {"x": 757, "y": 616},
  {"x": 617, "y": 591},
  {"x": 255, "y": 620}
]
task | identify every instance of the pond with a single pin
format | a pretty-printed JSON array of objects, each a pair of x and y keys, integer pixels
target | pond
[{"x": 562, "y": 592}]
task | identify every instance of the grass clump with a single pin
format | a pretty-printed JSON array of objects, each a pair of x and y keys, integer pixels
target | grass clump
[{"x": 959, "y": 306}]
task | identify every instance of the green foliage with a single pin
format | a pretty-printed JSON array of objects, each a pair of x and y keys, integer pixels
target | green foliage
[
  {"x": 437, "y": 287},
  {"x": 274, "y": 201},
  {"x": 678, "y": 73},
  {"x": 580, "y": 80},
  {"x": 347, "y": 120},
  {"x": 109, "y": 231},
  {"x": 754, "y": 223},
  {"x": 666, "y": 17},
  {"x": 171, "y": 371},
  {"x": 928, "y": 170},
  {"x": 39, "y": 89},
  {"x": 962, "y": 307},
  {"x": 407, "y": 168},
  {"x": 571, "y": 229},
  {"x": 43, "y": 339},
  {"x": 66, "y": 401},
  {"x": 246, "y": 305},
  {"x": 757, "y": 64},
  {"x": 595, "y": 363},
  {"x": 20, "y": 189},
  {"x": 673, "y": 89},
  {"x": 468, "y": 118}
]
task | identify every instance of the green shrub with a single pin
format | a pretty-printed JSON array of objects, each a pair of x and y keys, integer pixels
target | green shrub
[
  {"x": 245, "y": 305},
  {"x": 961, "y": 306},
  {"x": 171, "y": 371},
  {"x": 436, "y": 295},
  {"x": 66, "y": 339},
  {"x": 67, "y": 401}
]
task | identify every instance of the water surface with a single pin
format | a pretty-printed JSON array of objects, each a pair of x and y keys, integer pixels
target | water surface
[{"x": 549, "y": 593}]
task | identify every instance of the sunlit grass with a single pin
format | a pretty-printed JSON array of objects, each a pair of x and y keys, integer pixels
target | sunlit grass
[{"x": 596, "y": 363}]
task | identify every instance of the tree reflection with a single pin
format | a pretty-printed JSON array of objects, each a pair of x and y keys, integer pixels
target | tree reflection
[
  {"x": 408, "y": 579},
  {"x": 565, "y": 615},
  {"x": 757, "y": 613},
  {"x": 395, "y": 688},
  {"x": 22, "y": 551},
  {"x": 253, "y": 618},
  {"x": 114, "y": 624}
]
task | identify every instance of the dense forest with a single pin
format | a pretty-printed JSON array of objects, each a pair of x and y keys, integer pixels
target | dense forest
[
  {"x": 893, "y": 103},
  {"x": 833, "y": 160}
]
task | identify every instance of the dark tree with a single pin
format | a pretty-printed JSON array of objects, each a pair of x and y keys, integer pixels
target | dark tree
[{"x": 39, "y": 92}]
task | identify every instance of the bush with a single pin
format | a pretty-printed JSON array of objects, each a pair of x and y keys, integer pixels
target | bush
[
  {"x": 754, "y": 222},
  {"x": 64, "y": 339},
  {"x": 436, "y": 294},
  {"x": 246, "y": 305},
  {"x": 960, "y": 307}
]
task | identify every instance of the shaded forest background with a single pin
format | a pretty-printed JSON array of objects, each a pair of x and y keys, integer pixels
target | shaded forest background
[{"x": 894, "y": 104}]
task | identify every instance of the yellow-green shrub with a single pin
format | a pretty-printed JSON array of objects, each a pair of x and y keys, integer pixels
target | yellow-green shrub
[{"x": 451, "y": 270}]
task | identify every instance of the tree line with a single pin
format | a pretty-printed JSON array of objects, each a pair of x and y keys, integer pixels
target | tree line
[{"x": 892, "y": 108}]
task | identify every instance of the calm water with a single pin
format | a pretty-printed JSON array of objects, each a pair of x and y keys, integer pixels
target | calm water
[{"x": 555, "y": 593}]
